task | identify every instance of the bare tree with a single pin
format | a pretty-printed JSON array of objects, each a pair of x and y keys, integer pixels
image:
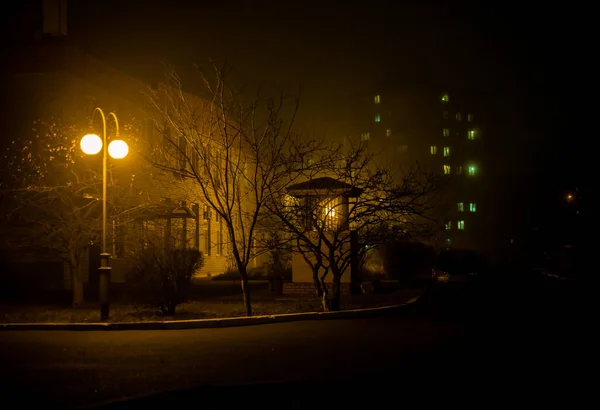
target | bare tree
[
  {"x": 231, "y": 154},
  {"x": 353, "y": 196}
]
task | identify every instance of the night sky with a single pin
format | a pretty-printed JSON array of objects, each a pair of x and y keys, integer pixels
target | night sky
[{"x": 526, "y": 63}]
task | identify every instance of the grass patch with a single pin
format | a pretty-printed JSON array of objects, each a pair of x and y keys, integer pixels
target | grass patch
[{"x": 226, "y": 306}]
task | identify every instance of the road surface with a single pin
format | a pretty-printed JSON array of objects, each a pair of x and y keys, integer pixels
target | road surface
[{"x": 493, "y": 339}]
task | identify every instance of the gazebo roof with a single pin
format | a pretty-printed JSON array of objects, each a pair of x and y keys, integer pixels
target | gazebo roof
[{"x": 323, "y": 186}]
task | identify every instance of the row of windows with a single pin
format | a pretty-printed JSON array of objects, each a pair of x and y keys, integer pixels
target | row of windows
[
  {"x": 445, "y": 132},
  {"x": 458, "y": 116},
  {"x": 460, "y": 225},
  {"x": 471, "y": 170},
  {"x": 445, "y": 115},
  {"x": 472, "y": 207},
  {"x": 471, "y": 134}
]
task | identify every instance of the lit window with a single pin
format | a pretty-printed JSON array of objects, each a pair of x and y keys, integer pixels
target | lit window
[
  {"x": 470, "y": 117},
  {"x": 448, "y": 225},
  {"x": 461, "y": 225},
  {"x": 459, "y": 170},
  {"x": 458, "y": 116},
  {"x": 433, "y": 149},
  {"x": 445, "y": 114},
  {"x": 388, "y": 132},
  {"x": 445, "y": 98},
  {"x": 365, "y": 136},
  {"x": 377, "y": 117},
  {"x": 446, "y": 132},
  {"x": 471, "y": 134},
  {"x": 473, "y": 207},
  {"x": 402, "y": 149},
  {"x": 377, "y": 99},
  {"x": 461, "y": 207},
  {"x": 447, "y": 169},
  {"x": 472, "y": 170},
  {"x": 446, "y": 151}
]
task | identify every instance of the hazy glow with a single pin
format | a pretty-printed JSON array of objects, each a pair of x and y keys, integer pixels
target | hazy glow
[
  {"x": 118, "y": 149},
  {"x": 472, "y": 169},
  {"x": 91, "y": 144},
  {"x": 445, "y": 98}
]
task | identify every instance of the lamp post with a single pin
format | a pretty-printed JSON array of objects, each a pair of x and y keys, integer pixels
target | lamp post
[{"x": 92, "y": 144}]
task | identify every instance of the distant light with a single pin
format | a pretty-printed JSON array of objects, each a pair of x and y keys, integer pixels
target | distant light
[
  {"x": 91, "y": 144},
  {"x": 445, "y": 98},
  {"x": 118, "y": 149}
]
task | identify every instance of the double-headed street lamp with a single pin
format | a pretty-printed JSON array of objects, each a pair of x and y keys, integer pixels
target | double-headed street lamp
[{"x": 92, "y": 144}]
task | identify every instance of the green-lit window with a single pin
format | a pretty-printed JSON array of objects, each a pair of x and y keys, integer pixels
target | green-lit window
[
  {"x": 460, "y": 225},
  {"x": 445, "y": 98},
  {"x": 446, "y": 132},
  {"x": 472, "y": 170},
  {"x": 433, "y": 150},
  {"x": 461, "y": 207},
  {"x": 447, "y": 169},
  {"x": 473, "y": 207},
  {"x": 446, "y": 151},
  {"x": 377, "y": 99},
  {"x": 470, "y": 117},
  {"x": 377, "y": 117},
  {"x": 471, "y": 134},
  {"x": 365, "y": 136},
  {"x": 448, "y": 225}
]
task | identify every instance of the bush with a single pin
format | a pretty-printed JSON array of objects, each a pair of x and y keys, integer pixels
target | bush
[
  {"x": 162, "y": 278},
  {"x": 405, "y": 260}
]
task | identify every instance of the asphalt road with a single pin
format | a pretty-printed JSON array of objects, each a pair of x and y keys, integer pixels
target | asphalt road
[{"x": 509, "y": 341}]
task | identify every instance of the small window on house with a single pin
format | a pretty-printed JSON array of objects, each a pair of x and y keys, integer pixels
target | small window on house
[
  {"x": 473, "y": 207},
  {"x": 445, "y": 114},
  {"x": 458, "y": 116},
  {"x": 207, "y": 244},
  {"x": 377, "y": 99},
  {"x": 461, "y": 207},
  {"x": 446, "y": 132},
  {"x": 470, "y": 117},
  {"x": 459, "y": 170},
  {"x": 472, "y": 170},
  {"x": 448, "y": 225},
  {"x": 433, "y": 150},
  {"x": 460, "y": 225},
  {"x": 446, "y": 151},
  {"x": 365, "y": 136},
  {"x": 402, "y": 149},
  {"x": 445, "y": 98},
  {"x": 471, "y": 134},
  {"x": 446, "y": 169},
  {"x": 220, "y": 238},
  {"x": 377, "y": 117},
  {"x": 388, "y": 132}
]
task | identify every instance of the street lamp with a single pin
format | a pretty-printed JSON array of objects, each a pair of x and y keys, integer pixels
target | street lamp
[{"x": 92, "y": 144}]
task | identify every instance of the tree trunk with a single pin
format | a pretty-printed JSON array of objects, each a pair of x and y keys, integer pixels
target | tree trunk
[
  {"x": 76, "y": 286},
  {"x": 246, "y": 293},
  {"x": 324, "y": 294},
  {"x": 316, "y": 281},
  {"x": 336, "y": 293}
]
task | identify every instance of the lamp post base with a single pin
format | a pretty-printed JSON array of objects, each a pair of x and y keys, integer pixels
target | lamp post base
[{"x": 105, "y": 271}]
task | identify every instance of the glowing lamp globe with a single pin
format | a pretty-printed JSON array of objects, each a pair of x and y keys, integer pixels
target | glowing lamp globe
[
  {"x": 118, "y": 149},
  {"x": 91, "y": 144}
]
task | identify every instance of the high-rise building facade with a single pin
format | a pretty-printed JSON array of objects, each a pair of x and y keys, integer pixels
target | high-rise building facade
[{"x": 440, "y": 132}]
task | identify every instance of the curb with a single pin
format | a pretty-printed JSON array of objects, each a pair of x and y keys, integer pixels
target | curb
[{"x": 215, "y": 323}]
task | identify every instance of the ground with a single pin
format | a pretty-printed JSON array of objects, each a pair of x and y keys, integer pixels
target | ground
[
  {"x": 210, "y": 299},
  {"x": 511, "y": 341}
]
